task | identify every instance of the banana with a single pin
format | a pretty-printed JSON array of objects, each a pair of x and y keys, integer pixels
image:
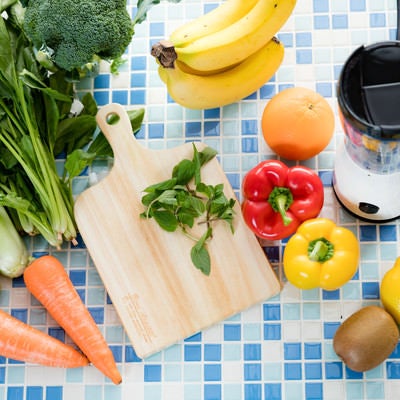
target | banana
[
  {"x": 219, "y": 18},
  {"x": 239, "y": 40},
  {"x": 220, "y": 89}
]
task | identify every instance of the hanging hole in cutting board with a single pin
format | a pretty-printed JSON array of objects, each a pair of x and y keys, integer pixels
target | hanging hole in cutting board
[{"x": 112, "y": 118}]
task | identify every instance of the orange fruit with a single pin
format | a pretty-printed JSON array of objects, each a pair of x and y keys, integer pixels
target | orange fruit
[{"x": 297, "y": 123}]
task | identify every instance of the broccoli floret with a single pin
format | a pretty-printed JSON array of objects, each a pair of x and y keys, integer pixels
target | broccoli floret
[{"x": 77, "y": 31}]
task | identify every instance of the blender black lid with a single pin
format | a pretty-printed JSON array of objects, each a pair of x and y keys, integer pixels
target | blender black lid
[
  {"x": 380, "y": 83},
  {"x": 369, "y": 87}
]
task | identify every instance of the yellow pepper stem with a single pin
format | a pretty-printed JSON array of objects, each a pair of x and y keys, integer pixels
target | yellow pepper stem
[{"x": 320, "y": 250}]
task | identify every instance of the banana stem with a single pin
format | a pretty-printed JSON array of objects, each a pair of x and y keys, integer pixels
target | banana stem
[{"x": 165, "y": 53}]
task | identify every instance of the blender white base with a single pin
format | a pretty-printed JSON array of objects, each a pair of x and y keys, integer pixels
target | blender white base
[{"x": 360, "y": 190}]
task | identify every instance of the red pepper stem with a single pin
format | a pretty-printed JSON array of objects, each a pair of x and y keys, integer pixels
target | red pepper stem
[
  {"x": 281, "y": 205},
  {"x": 320, "y": 250},
  {"x": 281, "y": 199}
]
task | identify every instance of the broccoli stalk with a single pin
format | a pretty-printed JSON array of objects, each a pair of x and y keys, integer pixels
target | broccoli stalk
[{"x": 76, "y": 33}]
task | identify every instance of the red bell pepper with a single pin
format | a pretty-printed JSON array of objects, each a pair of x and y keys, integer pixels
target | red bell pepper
[{"x": 278, "y": 198}]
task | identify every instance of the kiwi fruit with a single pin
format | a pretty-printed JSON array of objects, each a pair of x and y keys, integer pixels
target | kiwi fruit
[{"x": 366, "y": 338}]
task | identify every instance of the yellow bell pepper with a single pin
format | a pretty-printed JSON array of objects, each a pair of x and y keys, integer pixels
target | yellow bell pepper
[{"x": 321, "y": 254}]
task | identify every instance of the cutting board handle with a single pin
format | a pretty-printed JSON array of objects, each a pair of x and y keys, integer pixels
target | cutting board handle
[{"x": 118, "y": 133}]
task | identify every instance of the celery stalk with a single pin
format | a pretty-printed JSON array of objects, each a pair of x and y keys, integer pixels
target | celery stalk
[{"x": 14, "y": 255}]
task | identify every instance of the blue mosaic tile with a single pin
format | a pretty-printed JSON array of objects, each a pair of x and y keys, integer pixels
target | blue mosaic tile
[
  {"x": 320, "y": 6},
  {"x": 357, "y": 5},
  {"x": 97, "y": 314},
  {"x": 350, "y": 374},
  {"x": 293, "y": 371},
  {"x": 212, "y": 392},
  {"x": 54, "y": 392},
  {"x": 314, "y": 391},
  {"x": 157, "y": 29},
  {"x": 212, "y": 372},
  {"x": 152, "y": 373},
  {"x": 21, "y": 314},
  {"x": 102, "y": 98},
  {"x": 340, "y": 22},
  {"x": 57, "y": 333},
  {"x": 272, "y": 312},
  {"x": 331, "y": 294},
  {"x": 321, "y": 22},
  {"x": 212, "y": 352},
  {"x": 192, "y": 352},
  {"x": 292, "y": 351},
  {"x": 194, "y": 338},
  {"x": 370, "y": 290},
  {"x": 249, "y": 145},
  {"x": 313, "y": 370},
  {"x": 18, "y": 282},
  {"x": 334, "y": 370},
  {"x": 252, "y": 372},
  {"x": 211, "y": 128},
  {"x": 387, "y": 233},
  {"x": 393, "y": 369},
  {"x": 156, "y": 131},
  {"x": 330, "y": 329},
  {"x": 232, "y": 332},
  {"x": 272, "y": 331},
  {"x": 102, "y": 81},
  {"x": 368, "y": 233},
  {"x": 130, "y": 355},
  {"x": 304, "y": 56},
  {"x": 234, "y": 180},
  {"x": 273, "y": 391},
  {"x": 324, "y": 89},
  {"x": 312, "y": 351},
  {"x": 252, "y": 352},
  {"x": 212, "y": 113},
  {"x": 120, "y": 96},
  {"x": 138, "y": 80},
  {"x": 249, "y": 127},
  {"x": 15, "y": 393},
  {"x": 252, "y": 391},
  {"x": 377, "y": 20},
  {"x": 267, "y": 91},
  {"x": 137, "y": 97},
  {"x": 303, "y": 39},
  {"x": 193, "y": 129},
  {"x": 78, "y": 277}
]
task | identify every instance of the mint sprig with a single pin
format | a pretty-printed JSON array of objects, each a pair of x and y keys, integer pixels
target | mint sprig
[{"x": 183, "y": 200}]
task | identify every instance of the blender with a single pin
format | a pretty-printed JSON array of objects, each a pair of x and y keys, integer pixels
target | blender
[{"x": 366, "y": 178}]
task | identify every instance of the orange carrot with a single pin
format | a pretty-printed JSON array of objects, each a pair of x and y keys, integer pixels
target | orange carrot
[
  {"x": 48, "y": 281},
  {"x": 23, "y": 342}
]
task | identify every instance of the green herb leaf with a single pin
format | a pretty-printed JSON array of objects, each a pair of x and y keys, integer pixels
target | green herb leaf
[
  {"x": 164, "y": 185},
  {"x": 197, "y": 166},
  {"x": 166, "y": 220},
  {"x": 200, "y": 255},
  {"x": 168, "y": 197},
  {"x": 174, "y": 203},
  {"x": 183, "y": 172}
]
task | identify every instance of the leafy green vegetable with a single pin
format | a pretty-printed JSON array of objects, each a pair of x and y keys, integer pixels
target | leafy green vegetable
[
  {"x": 179, "y": 201},
  {"x": 37, "y": 125},
  {"x": 14, "y": 255}
]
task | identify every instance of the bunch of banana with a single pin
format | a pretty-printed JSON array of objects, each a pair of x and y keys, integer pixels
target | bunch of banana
[{"x": 224, "y": 55}]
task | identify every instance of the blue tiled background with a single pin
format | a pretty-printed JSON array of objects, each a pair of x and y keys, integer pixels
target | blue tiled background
[{"x": 281, "y": 349}]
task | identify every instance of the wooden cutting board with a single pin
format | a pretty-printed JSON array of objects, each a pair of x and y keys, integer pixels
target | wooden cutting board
[{"x": 159, "y": 295}]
